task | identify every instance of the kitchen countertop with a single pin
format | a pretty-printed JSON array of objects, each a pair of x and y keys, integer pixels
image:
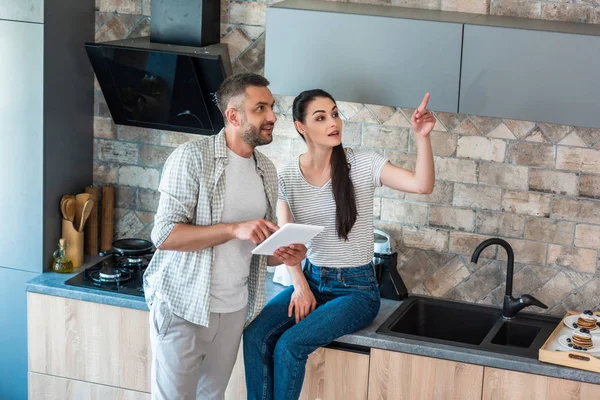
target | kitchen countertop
[{"x": 51, "y": 283}]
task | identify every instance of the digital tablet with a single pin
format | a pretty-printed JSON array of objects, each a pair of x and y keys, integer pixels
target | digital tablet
[{"x": 286, "y": 235}]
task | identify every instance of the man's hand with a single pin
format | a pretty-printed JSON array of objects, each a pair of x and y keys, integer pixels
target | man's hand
[
  {"x": 291, "y": 255},
  {"x": 256, "y": 231}
]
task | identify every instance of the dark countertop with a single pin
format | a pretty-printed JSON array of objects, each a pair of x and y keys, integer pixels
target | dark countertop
[{"x": 51, "y": 283}]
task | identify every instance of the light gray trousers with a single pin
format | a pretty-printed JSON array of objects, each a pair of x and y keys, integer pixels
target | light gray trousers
[{"x": 191, "y": 361}]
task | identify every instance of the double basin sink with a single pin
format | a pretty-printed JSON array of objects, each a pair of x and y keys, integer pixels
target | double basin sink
[{"x": 469, "y": 326}]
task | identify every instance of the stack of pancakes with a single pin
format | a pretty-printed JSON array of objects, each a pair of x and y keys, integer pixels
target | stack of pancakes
[
  {"x": 582, "y": 338},
  {"x": 587, "y": 320}
]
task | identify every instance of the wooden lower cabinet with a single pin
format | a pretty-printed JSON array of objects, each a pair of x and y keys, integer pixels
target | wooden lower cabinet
[
  {"x": 330, "y": 374},
  {"x": 90, "y": 342},
  {"x": 396, "y": 376},
  {"x": 336, "y": 374},
  {"x": 47, "y": 387},
  {"x": 500, "y": 384},
  {"x": 83, "y": 350},
  {"x": 80, "y": 345}
]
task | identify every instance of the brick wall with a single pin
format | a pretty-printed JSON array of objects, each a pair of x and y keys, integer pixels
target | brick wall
[{"x": 536, "y": 185}]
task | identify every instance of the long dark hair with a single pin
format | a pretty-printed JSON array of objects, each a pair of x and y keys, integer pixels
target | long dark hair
[{"x": 341, "y": 184}]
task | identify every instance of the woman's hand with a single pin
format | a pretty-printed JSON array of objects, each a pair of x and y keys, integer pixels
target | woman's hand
[
  {"x": 291, "y": 255},
  {"x": 422, "y": 119},
  {"x": 302, "y": 303}
]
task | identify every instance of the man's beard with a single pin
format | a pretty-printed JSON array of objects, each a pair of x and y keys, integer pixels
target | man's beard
[{"x": 251, "y": 135}]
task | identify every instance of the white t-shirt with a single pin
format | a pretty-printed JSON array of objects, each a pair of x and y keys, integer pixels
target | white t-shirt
[
  {"x": 316, "y": 206},
  {"x": 245, "y": 200}
]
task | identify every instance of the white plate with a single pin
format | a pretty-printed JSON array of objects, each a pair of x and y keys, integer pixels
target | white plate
[
  {"x": 288, "y": 234},
  {"x": 573, "y": 319},
  {"x": 595, "y": 340}
]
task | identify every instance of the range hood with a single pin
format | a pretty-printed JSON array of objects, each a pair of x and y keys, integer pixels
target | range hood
[{"x": 168, "y": 80}]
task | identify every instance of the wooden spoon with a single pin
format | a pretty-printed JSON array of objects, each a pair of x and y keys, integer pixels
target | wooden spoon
[
  {"x": 80, "y": 200},
  {"x": 63, "y": 209},
  {"x": 71, "y": 209},
  {"x": 87, "y": 209}
]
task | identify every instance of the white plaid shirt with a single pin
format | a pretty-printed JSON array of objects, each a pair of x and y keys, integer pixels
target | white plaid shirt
[{"x": 192, "y": 191}]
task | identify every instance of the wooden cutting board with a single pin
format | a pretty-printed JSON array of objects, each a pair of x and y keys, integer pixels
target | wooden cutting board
[
  {"x": 108, "y": 218},
  {"x": 91, "y": 226}
]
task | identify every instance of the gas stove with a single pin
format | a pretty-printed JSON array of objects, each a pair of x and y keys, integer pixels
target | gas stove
[{"x": 115, "y": 274}]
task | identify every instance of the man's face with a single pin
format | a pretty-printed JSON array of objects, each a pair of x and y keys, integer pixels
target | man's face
[{"x": 257, "y": 118}]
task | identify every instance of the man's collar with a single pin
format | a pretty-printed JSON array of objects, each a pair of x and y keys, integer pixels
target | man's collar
[{"x": 220, "y": 145}]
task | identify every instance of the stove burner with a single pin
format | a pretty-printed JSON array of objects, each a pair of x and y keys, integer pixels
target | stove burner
[
  {"x": 108, "y": 274},
  {"x": 131, "y": 264},
  {"x": 115, "y": 274}
]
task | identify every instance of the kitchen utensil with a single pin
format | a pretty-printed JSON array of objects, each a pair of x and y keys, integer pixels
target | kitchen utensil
[
  {"x": 82, "y": 197},
  {"x": 85, "y": 213},
  {"x": 91, "y": 226},
  {"x": 130, "y": 247},
  {"x": 80, "y": 200},
  {"x": 65, "y": 197},
  {"x": 63, "y": 208},
  {"x": 71, "y": 209}
]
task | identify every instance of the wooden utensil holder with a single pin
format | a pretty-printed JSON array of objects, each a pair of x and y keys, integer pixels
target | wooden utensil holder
[{"x": 74, "y": 243}]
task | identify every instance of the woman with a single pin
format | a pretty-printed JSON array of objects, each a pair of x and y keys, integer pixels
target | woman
[{"x": 337, "y": 293}]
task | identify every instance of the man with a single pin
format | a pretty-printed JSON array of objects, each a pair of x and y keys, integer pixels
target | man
[{"x": 217, "y": 201}]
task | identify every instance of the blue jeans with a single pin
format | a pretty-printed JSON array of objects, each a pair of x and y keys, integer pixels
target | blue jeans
[{"x": 276, "y": 348}]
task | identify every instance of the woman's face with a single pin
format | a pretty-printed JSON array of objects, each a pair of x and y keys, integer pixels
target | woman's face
[{"x": 322, "y": 125}]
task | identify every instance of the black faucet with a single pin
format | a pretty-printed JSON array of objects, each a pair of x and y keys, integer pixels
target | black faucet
[{"x": 511, "y": 305}]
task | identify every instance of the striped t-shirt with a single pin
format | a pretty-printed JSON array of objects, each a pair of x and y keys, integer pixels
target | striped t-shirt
[{"x": 315, "y": 205}]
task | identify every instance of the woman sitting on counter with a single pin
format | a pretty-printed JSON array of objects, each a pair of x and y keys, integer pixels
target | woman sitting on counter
[{"x": 337, "y": 292}]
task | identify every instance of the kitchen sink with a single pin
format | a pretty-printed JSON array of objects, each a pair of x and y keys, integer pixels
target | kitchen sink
[
  {"x": 516, "y": 334},
  {"x": 452, "y": 322},
  {"x": 469, "y": 325}
]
